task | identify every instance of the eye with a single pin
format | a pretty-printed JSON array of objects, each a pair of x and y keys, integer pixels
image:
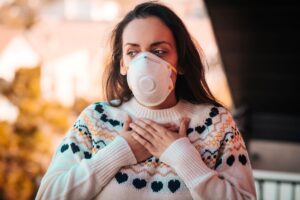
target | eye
[
  {"x": 159, "y": 52},
  {"x": 132, "y": 53}
]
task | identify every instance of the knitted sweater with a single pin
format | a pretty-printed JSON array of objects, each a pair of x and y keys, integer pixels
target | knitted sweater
[{"x": 95, "y": 162}]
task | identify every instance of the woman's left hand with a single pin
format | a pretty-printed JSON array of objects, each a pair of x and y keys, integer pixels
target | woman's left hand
[{"x": 155, "y": 137}]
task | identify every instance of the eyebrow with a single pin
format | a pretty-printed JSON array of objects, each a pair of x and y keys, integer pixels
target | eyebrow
[{"x": 152, "y": 45}]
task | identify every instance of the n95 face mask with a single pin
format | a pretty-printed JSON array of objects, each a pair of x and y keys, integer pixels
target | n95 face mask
[{"x": 149, "y": 78}]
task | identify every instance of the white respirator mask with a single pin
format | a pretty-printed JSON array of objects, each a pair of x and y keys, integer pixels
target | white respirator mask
[{"x": 149, "y": 78}]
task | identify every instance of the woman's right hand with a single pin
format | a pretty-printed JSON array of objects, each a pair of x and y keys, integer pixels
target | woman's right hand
[{"x": 139, "y": 151}]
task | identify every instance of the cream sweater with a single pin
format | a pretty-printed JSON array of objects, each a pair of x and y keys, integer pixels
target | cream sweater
[{"x": 94, "y": 162}]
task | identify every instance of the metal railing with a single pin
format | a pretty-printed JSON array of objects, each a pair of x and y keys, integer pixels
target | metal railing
[{"x": 277, "y": 185}]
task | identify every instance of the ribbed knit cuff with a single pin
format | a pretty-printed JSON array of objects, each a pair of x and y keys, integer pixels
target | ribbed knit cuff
[
  {"x": 112, "y": 157},
  {"x": 186, "y": 160}
]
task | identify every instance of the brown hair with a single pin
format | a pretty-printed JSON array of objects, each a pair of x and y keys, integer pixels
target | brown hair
[{"x": 190, "y": 86}]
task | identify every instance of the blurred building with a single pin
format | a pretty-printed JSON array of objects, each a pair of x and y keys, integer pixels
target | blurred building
[{"x": 70, "y": 40}]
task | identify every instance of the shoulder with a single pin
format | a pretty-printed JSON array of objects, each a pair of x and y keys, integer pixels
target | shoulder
[
  {"x": 97, "y": 108},
  {"x": 219, "y": 116},
  {"x": 220, "y": 124},
  {"x": 210, "y": 119},
  {"x": 101, "y": 113},
  {"x": 90, "y": 116},
  {"x": 207, "y": 110}
]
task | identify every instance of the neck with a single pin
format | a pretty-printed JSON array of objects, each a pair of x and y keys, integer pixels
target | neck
[
  {"x": 171, "y": 111},
  {"x": 170, "y": 101}
]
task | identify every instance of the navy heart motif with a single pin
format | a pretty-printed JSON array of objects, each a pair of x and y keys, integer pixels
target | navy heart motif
[
  {"x": 242, "y": 159},
  {"x": 200, "y": 129},
  {"x": 87, "y": 155},
  {"x": 64, "y": 148},
  {"x": 104, "y": 118},
  {"x": 139, "y": 183},
  {"x": 208, "y": 122},
  {"x": 114, "y": 122},
  {"x": 230, "y": 160},
  {"x": 173, "y": 185},
  {"x": 189, "y": 130},
  {"x": 75, "y": 148},
  {"x": 213, "y": 112},
  {"x": 121, "y": 177},
  {"x": 156, "y": 186},
  {"x": 99, "y": 108}
]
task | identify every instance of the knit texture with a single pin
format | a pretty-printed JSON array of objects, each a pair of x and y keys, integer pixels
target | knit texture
[{"x": 94, "y": 162}]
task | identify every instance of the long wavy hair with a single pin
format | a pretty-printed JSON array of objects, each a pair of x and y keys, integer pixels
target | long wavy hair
[{"x": 191, "y": 85}]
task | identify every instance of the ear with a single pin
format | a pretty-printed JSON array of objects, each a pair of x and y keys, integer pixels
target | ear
[{"x": 123, "y": 68}]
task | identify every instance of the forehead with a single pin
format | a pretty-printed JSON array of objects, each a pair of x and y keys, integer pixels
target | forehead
[{"x": 147, "y": 30}]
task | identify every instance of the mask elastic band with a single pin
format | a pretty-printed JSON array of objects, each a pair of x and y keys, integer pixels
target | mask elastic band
[
  {"x": 169, "y": 66},
  {"x": 172, "y": 68}
]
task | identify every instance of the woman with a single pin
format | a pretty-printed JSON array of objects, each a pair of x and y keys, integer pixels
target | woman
[{"x": 161, "y": 134}]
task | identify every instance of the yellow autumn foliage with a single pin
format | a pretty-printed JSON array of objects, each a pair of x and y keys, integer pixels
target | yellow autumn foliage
[{"x": 27, "y": 145}]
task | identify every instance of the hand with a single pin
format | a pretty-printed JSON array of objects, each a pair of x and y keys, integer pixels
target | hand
[
  {"x": 155, "y": 137},
  {"x": 139, "y": 151}
]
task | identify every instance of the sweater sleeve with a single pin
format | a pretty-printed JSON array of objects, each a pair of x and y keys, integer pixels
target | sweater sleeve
[
  {"x": 232, "y": 177},
  {"x": 76, "y": 172}
]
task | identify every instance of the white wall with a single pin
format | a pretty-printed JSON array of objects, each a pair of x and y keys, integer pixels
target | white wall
[{"x": 275, "y": 156}]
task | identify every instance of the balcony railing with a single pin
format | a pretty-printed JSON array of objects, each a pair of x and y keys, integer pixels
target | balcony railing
[{"x": 272, "y": 185}]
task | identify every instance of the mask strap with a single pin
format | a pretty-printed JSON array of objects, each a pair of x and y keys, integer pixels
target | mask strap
[
  {"x": 172, "y": 68},
  {"x": 169, "y": 67},
  {"x": 126, "y": 68}
]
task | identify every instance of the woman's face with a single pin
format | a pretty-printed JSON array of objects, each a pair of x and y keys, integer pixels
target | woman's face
[{"x": 148, "y": 34}]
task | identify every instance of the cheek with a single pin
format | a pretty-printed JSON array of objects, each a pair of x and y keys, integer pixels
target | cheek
[
  {"x": 124, "y": 60},
  {"x": 174, "y": 75},
  {"x": 172, "y": 59},
  {"x": 124, "y": 65},
  {"x": 173, "y": 62},
  {"x": 173, "y": 78}
]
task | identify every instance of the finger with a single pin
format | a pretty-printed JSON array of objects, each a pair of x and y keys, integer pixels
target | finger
[
  {"x": 142, "y": 141},
  {"x": 147, "y": 127},
  {"x": 166, "y": 125},
  {"x": 126, "y": 123},
  {"x": 154, "y": 125},
  {"x": 183, "y": 126},
  {"x": 173, "y": 128},
  {"x": 140, "y": 131}
]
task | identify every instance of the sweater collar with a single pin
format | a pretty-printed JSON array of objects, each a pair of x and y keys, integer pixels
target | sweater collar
[{"x": 135, "y": 109}]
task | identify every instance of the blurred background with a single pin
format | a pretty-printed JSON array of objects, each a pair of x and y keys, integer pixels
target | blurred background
[{"x": 51, "y": 63}]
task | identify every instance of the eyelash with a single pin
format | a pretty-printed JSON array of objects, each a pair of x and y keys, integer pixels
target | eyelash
[
  {"x": 158, "y": 52},
  {"x": 129, "y": 53}
]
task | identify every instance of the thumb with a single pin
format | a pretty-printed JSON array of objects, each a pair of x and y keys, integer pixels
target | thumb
[
  {"x": 183, "y": 126},
  {"x": 126, "y": 123}
]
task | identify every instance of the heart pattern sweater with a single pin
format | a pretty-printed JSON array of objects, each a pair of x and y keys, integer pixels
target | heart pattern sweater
[{"x": 94, "y": 162}]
